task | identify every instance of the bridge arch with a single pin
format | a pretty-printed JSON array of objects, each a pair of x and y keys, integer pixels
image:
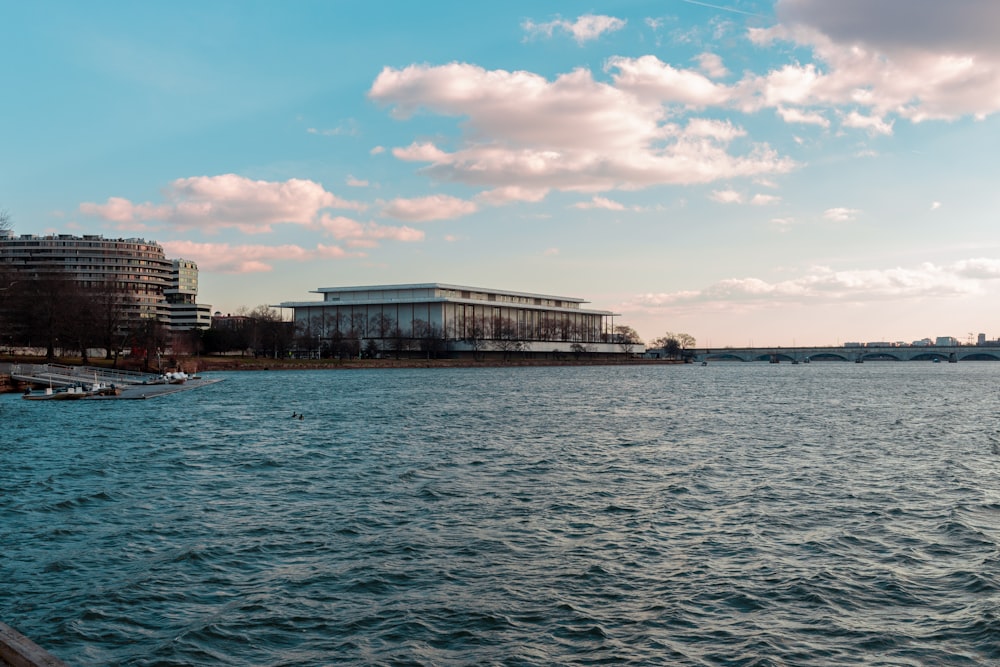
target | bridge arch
[
  {"x": 724, "y": 356},
  {"x": 929, "y": 356},
  {"x": 827, "y": 356}
]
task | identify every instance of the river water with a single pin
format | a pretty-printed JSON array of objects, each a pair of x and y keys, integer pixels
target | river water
[{"x": 732, "y": 514}]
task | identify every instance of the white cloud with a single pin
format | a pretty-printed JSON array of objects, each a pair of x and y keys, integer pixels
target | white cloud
[
  {"x": 551, "y": 252},
  {"x": 228, "y": 200},
  {"x": 764, "y": 200},
  {"x": 825, "y": 285},
  {"x": 422, "y": 152},
  {"x": 872, "y": 124},
  {"x": 841, "y": 214},
  {"x": 510, "y": 194},
  {"x": 227, "y": 258},
  {"x": 711, "y": 64},
  {"x": 600, "y": 202},
  {"x": 918, "y": 59},
  {"x": 727, "y": 197},
  {"x": 585, "y": 28},
  {"x": 794, "y": 115},
  {"x": 654, "y": 81},
  {"x": 356, "y": 182},
  {"x": 433, "y": 207},
  {"x": 572, "y": 133},
  {"x": 935, "y": 205},
  {"x": 368, "y": 234}
]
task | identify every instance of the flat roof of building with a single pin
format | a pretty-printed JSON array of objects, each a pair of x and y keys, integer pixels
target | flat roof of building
[
  {"x": 460, "y": 288},
  {"x": 446, "y": 286}
]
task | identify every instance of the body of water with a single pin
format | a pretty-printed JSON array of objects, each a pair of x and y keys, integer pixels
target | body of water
[{"x": 733, "y": 514}]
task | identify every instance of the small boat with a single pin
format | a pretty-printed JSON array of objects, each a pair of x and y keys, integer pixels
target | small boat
[
  {"x": 49, "y": 394},
  {"x": 179, "y": 377}
]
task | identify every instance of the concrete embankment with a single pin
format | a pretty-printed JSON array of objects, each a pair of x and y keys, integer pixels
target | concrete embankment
[{"x": 16, "y": 650}]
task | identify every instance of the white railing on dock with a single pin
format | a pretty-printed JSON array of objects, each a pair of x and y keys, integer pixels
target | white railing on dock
[{"x": 59, "y": 375}]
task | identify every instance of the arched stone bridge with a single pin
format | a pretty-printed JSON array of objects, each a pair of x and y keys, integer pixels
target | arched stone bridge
[{"x": 950, "y": 353}]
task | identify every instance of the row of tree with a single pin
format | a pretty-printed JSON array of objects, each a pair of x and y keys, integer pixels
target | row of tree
[{"x": 53, "y": 311}]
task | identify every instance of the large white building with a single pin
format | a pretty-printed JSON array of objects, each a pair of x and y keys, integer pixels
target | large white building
[
  {"x": 151, "y": 285},
  {"x": 467, "y": 319}
]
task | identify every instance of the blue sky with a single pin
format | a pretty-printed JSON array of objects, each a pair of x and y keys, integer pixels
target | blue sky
[{"x": 750, "y": 172}]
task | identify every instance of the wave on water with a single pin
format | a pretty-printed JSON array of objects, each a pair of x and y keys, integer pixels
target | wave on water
[{"x": 738, "y": 514}]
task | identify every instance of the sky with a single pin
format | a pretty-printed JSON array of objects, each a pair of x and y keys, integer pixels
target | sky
[{"x": 752, "y": 172}]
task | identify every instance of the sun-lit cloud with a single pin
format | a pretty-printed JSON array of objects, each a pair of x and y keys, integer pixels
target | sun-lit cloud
[
  {"x": 841, "y": 214},
  {"x": 823, "y": 284},
  {"x": 510, "y": 194},
  {"x": 711, "y": 64},
  {"x": 935, "y": 205},
  {"x": 912, "y": 59},
  {"x": 764, "y": 200},
  {"x": 600, "y": 202},
  {"x": 585, "y": 28},
  {"x": 551, "y": 252},
  {"x": 353, "y": 182},
  {"x": 228, "y": 200},
  {"x": 572, "y": 133},
  {"x": 727, "y": 197},
  {"x": 246, "y": 258},
  {"x": 366, "y": 234},
  {"x": 872, "y": 124},
  {"x": 794, "y": 115},
  {"x": 432, "y": 207},
  {"x": 652, "y": 80}
]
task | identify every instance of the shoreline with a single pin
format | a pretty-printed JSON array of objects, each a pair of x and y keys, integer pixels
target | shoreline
[{"x": 193, "y": 365}]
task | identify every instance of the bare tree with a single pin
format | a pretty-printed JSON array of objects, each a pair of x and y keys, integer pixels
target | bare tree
[
  {"x": 6, "y": 223},
  {"x": 110, "y": 307},
  {"x": 149, "y": 337},
  {"x": 627, "y": 338},
  {"x": 39, "y": 306},
  {"x": 475, "y": 336},
  {"x": 505, "y": 338},
  {"x": 272, "y": 335},
  {"x": 430, "y": 338}
]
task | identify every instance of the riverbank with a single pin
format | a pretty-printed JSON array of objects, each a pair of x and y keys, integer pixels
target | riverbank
[
  {"x": 248, "y": 364},
  {"x": 200, "y": 364}
]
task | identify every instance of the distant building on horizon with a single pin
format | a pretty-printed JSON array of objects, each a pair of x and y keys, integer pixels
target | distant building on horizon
[
  {"x": 466, "y": 319},
  {"x": 152, "y": 285}
]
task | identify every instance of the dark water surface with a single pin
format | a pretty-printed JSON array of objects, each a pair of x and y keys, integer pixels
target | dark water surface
[{"x": 735, "y": 514}]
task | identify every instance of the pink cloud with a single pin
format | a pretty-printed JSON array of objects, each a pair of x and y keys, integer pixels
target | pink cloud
[
  {"x": 585, "y": 28},
  {"x": 434, "y": 207},
  {"x": 228, "y": 200},
  {"x": 226, "y": 258},
  {"x": 572, "y": 133},
  {"x": 600, "y": 202},
  {"x": 366, "y": 234}
]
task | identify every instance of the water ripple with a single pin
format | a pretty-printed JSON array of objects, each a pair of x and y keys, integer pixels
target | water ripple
[{"x": 736, "y": 514}]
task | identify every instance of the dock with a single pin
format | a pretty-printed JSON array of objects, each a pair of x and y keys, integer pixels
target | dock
[{"x": 129, "y": 384}]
